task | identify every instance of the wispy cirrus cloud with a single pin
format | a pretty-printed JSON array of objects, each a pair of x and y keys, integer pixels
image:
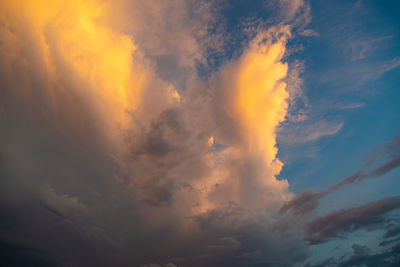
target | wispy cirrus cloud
[{"x": 309, "y": 131}]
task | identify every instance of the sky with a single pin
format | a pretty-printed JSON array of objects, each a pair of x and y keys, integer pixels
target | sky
[{"x": 199, "y": 133}]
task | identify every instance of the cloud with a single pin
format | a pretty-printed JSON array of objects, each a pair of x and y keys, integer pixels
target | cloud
[
  {"x": 298, "y": 102},
  {"x": 308, "y": 200},
  {"x": 349, "y": 105},
  {"x": 385, "y": 168},
  {"x": 389, "y": 242},
  {"x": 107, "y": 126},
  {"x": 249, "y": 117},
  {"x": 331, "y": 225},
  {"x": 14, "y": 255},
  {"x": 177, "y": 35},
  {"x": 377, "y": 70},
  {"x": 358, "y": 75},
  {"x": 360, "y": 48},
  {"x": 390, "y": 150},
  {"x": 309, "y": 33},
  {"x": 308, "y": 131},
  {"x": 362, "y": 256},
  {"x": 392, "y": 232},
  {"x": 295, "y": 12},
  {"x": 106, "y": 136},
  {"x": 291, "y": 7},
  {"x": 263, "y": 243},
  {"x": 68, "y": 71},
  {"x": 63, "y": 205}
]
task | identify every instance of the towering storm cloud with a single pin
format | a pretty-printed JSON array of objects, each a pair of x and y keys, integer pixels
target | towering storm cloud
[{"x": 145, "y": 134}]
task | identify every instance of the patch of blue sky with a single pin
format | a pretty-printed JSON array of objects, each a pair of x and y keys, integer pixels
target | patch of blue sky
[{"x": 363, "y": 93}]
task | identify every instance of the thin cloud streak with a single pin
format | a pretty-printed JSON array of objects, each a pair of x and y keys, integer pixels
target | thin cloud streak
[
  {"x": 308, "y": 200},
  {"x": 331, "y": 225}
]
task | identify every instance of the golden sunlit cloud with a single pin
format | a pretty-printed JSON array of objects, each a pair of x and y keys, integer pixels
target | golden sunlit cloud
[
  {"x": 259, "y": 97},
  {"x": 108, "y": 113},
  {"x": 81, "y": 55},
  {"x": 74, "y": 41},
  {"x": 255, "y": 99}
]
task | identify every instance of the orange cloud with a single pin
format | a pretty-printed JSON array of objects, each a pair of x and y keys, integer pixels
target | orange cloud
[
  {"x": 83, "y": 62},
  {"x": 259, "y": 94},
  {"x": 78, "y": 55},
  {"x": 84, "y": 80},
  {"x": 252, "y": 94}
]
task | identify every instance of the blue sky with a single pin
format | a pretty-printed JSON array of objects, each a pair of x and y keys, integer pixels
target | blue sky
[
  {"x": 365, "y": 100},
  {"x": 346, "y": 80},
  {"x": 200, "y": 133}
]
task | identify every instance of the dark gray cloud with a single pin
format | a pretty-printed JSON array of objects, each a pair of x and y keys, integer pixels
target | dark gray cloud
[
  {"x": 335, "y": 224},
  {"x": 14, "y": 255},
  {"x": 305, "y": 202},
  {"x": 363, "y": 256},
  {"x": 249, "y": 241},
  {"x": 308, "y": 200},
  {"x": 392, "y": 232},
  {"x": 385, "y": 168},
  {"x": 389, "y": 242}
]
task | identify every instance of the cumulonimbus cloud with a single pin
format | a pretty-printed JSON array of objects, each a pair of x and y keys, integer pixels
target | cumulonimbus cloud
[{"x": 92, "y": 113}]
